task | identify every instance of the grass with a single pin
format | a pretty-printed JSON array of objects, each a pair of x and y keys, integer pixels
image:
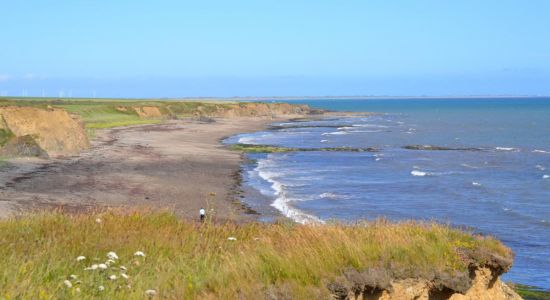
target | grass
[
  {"x": 103, "y": 113},
  {"x": 185, "y": 260},
  {"x": 530, "y": 292},
  {"x": 5, "y": 136},
  {"x": 251, "y": 148}
]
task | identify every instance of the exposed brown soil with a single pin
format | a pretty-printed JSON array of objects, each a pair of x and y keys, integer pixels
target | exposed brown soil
[
  {"x": 179, "y": 165},
  {"x": 54, "y": 130}
]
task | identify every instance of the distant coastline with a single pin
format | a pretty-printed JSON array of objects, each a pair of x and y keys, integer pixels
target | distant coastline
[{"x": 283, "y": 98}]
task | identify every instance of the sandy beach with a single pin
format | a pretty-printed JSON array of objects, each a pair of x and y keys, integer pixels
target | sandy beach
[{"x": 179, "y": 165}]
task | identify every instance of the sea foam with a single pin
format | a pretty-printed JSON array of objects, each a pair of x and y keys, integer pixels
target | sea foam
[
  {"x": 282, "y": 202},
  {"x": 510, "y": 149},
  {"x": 418, "y": 173}
]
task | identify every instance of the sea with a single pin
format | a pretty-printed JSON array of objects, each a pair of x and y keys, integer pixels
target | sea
[{"x": 487, "y": 169}]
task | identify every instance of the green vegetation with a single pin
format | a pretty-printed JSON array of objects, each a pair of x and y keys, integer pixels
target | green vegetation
[
  {"x": 186, "y": 260},
  {"x": 108, "y": 113},
  {"x": 250, "y": 148},
  {"x": 5, "y": 136},
  {"x": 530, "y": 292},
  {"x": 98, "y": 116}
]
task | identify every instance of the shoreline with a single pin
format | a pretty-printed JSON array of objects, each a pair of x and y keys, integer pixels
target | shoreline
[{"x": 179, "y": 166}]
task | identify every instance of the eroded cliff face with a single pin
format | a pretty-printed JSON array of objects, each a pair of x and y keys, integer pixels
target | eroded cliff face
[
  {"x": 148, "y": 112},
  {"x": 54, "y": 130},
  {"x": 480, "y": 282},
  {"x": 254, "y": 109}
]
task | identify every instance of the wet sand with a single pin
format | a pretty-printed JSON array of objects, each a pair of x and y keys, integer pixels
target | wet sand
[{"x": 179, "y": 165}]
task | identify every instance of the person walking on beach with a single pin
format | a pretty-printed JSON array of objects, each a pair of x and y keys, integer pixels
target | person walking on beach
[{"x": 202, "y": 214}]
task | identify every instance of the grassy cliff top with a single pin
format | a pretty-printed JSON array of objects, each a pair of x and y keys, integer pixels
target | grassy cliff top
[
  {"x": 107, "y": 113},
  {"x": 185, "y": 260},
  {"x": 103, "y": 113}
]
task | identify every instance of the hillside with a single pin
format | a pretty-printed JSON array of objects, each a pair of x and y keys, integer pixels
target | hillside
[{"x": 159, "y": 254}]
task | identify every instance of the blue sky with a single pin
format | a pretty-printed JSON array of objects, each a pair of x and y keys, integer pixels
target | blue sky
[{"x": 274, "y": 48}]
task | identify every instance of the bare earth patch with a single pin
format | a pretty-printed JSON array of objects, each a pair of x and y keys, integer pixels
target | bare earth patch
[{"x": 179, "y": 165}]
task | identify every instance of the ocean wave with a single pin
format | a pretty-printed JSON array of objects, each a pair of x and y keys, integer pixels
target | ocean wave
[
  {"x": 474, "y": 183},
  {"x": 332, "y": 196},
  {"x": 366, "y": 131},
  {"x": 282, "y": 202},
  {"x": 419, "y": 173},
  {"x": 540, "y": 167},
  {"x": 324, "y": 141},
  {"x": 540, "y": 151},
  {"x": 509, "y": 149},
  {"x": 336, "y": 133},
  {"x": 469, "y": 166},
  {"x": 246, "y": 140},
  {"x": 369, "y": 125},
  {"x": 545, "y": 176}
]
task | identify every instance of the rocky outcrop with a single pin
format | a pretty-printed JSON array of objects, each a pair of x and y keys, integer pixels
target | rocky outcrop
[
  {"x": 54, "y": 130},
  {"x": 481, "y": 281},
  {"x": 438, "y": 148},
  {"x": 485, "y": 285}
]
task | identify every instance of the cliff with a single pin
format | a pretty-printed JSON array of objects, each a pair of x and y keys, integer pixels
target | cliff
[
  {"x": 255, "y": 109},
  {"x": 53, "y": 130},
  {"x": 223, "y": 260},
  {"x": 484, "y": 284}
]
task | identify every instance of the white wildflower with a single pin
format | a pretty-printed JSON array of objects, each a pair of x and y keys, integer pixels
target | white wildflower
[
  {"x": 68, "y": 284},
  {"x": 72, "y": 276},
  {"x": 80, "y": 258},
  {"x": 78, "y": 290},
  {"x": 93, "y": 267},
  {"x": 232, "y": 238},
  {"x": 103, "y": 266},
  {"x": 112, "y": 277},
  {"x": 98, "y": 221},
  {"x": 139, "y": 253},
  {"x": 112, "y": 255},
  {"x": 123, "y": 268},
  {"x": 150, "y": 293},
  {"x": 101, "y": 288},
  {"x": 124, "y": 276},
  {"x": 109, "y": 262}
]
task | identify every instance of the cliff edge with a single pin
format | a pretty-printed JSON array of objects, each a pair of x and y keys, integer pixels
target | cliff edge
[{"x": 54, "y": 130}]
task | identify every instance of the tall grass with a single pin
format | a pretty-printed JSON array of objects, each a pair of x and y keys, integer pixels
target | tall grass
[{"x": 186, "y": 260}]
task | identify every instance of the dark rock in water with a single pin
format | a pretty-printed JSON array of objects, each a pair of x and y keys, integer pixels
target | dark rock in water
[
  {"x": 23, "y": 146},
  {"x": 438, "y": 148}
]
